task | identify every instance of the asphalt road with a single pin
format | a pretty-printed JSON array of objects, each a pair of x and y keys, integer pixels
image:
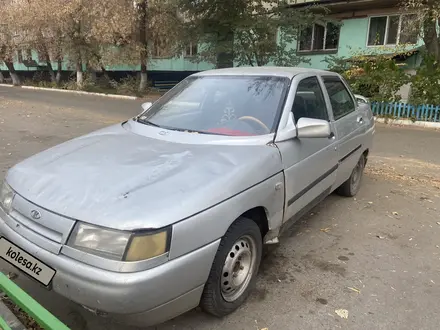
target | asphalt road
[{"x": 376, "y": 256}]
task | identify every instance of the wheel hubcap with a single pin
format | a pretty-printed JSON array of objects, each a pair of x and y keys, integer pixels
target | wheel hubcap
[{"x": 238, "y": 268}]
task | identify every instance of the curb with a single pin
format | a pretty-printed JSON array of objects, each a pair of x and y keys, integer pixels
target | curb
[
  {"x": 407, "y": 122},
  {"x": 10, "y": 318},
  {"x": 115, "y": 96}
]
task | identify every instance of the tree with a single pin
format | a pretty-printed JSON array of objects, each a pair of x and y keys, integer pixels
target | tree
[
  {"x": 10, "y": 38},
  {"x": 425, "y": 83},
  {"x": 243, "y": 32},
  {"x": 158, "y": 23},
  {"x": 373, "y": 74},
  {"x": 41, "y": 34},
  {"x": 426, "y": 24},
  {"x": 128, "y": 31}
]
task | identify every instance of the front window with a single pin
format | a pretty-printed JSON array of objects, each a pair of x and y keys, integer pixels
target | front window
[
  {"x": 223, "y": 105},
  {"x": 392, "y": 30},
  {"x": 309, "y": 101}
]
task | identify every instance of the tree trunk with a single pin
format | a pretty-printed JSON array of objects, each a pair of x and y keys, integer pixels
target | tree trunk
[
  {"x": 59, "y": 56},
  {"x": 142, "y": 10},
  {"x": 46, "y": 56},
  {"x": 79, "y": 74},
  {"x": 59, "y": 67},
  {"x": 431, "y": 39},
  {"x": 92, "y": 74},
  {"x": 2, "y": 78},
  {"x": 144, "y": 79},
  {"x": 105, "y": 73},
  {"x": 14, "y": 76},
  {"x": 51, "y": 72},
  {"x": 225, "y": 59}
]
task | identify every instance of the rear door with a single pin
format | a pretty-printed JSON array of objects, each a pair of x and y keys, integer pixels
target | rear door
[{"x": 349, "y": 126}]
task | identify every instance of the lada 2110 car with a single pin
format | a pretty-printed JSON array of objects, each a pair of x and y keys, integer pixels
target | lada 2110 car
[{"x": 170, "y": 210}]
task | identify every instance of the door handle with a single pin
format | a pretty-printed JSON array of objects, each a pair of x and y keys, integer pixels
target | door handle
[{"x": 360, "y": 120}]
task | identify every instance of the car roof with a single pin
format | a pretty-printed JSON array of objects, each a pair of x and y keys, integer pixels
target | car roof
[{"x": 288, "y": 72}]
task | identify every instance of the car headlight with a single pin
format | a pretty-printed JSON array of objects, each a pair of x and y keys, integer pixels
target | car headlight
[
  {"x": 6, "y": 197},
  {"x": 119, "y": 245}
]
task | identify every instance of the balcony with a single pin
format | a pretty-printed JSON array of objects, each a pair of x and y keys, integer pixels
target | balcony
[{"x": 341, "y": 6}]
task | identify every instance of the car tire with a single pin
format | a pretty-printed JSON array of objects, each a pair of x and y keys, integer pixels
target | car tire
[
  {"x": 234, "y": 270},
  {"x": 351, "y": 187}
]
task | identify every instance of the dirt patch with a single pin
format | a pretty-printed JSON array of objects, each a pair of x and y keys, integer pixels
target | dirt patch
[
  {"x": 391, "y": 173},
  {"x": 22, "y": 316}
]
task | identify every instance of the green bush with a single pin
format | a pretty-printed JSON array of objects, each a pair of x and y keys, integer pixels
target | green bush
[
  {"x": 425, "y": 88},
  {"x": 378, "y": 77}
]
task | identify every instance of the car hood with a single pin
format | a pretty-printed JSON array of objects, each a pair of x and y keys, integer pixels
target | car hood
[{"x": 126, "y": 181}]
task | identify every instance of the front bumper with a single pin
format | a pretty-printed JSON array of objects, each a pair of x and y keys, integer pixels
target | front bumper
[{"x": 176, "y": 281}]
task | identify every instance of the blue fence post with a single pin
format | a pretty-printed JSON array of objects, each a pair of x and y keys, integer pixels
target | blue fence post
[
  {"x": 374, "y": 108},
  {"x": 419, "y": 112}
]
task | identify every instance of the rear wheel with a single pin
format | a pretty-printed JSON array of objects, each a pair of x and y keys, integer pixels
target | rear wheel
[
  {"x": 351, "y": 187},
  {"x": 234, "y": 271}
]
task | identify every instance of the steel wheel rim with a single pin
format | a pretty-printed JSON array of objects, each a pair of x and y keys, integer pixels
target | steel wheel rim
[
  {"x": 238, "y": 268},
  {"x": 356, "y": 176}
]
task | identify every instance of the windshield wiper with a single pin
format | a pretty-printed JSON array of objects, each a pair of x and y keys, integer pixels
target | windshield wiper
[
  {"x": 190, "y": 131},
  {"x": 148, "y": 122}
]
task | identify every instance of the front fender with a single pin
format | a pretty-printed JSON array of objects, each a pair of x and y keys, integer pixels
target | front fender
[{"x": 209, "y": 225}]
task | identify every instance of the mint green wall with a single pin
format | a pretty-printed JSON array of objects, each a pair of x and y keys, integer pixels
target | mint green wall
[
  {"x": 353, "y": 36},
  {"x": 353, "y": 39},
  {"x": 164, "y": 64}
]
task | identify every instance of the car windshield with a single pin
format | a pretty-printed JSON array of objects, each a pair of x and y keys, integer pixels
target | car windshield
[{"x": 224, "y": 105}]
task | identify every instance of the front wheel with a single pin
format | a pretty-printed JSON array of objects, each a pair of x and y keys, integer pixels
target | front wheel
[
  {"x": 234, "y": 271},
  {"x": 351, "y": 187}
]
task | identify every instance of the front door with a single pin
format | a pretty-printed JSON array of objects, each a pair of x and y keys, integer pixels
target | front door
[
  {"x": 309, "y": 163},
  {"x": 349, "y": 126}
]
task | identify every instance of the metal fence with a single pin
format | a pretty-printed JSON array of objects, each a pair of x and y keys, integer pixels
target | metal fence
[
  {"x": 423, "y": 112},
  {"x": 31, "y": 307}
]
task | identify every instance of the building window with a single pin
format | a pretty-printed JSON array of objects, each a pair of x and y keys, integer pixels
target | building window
[
  {"x": 192, "y": 49},
  {"x": 392, "y": 30},
  {"x": 161, "y": 48},
  {"x": 319, "y": 37}
]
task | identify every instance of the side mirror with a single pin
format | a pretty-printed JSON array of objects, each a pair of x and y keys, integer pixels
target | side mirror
[
  {"x": 146, "y": 106},
  {"x": 313, "y": 128}
]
